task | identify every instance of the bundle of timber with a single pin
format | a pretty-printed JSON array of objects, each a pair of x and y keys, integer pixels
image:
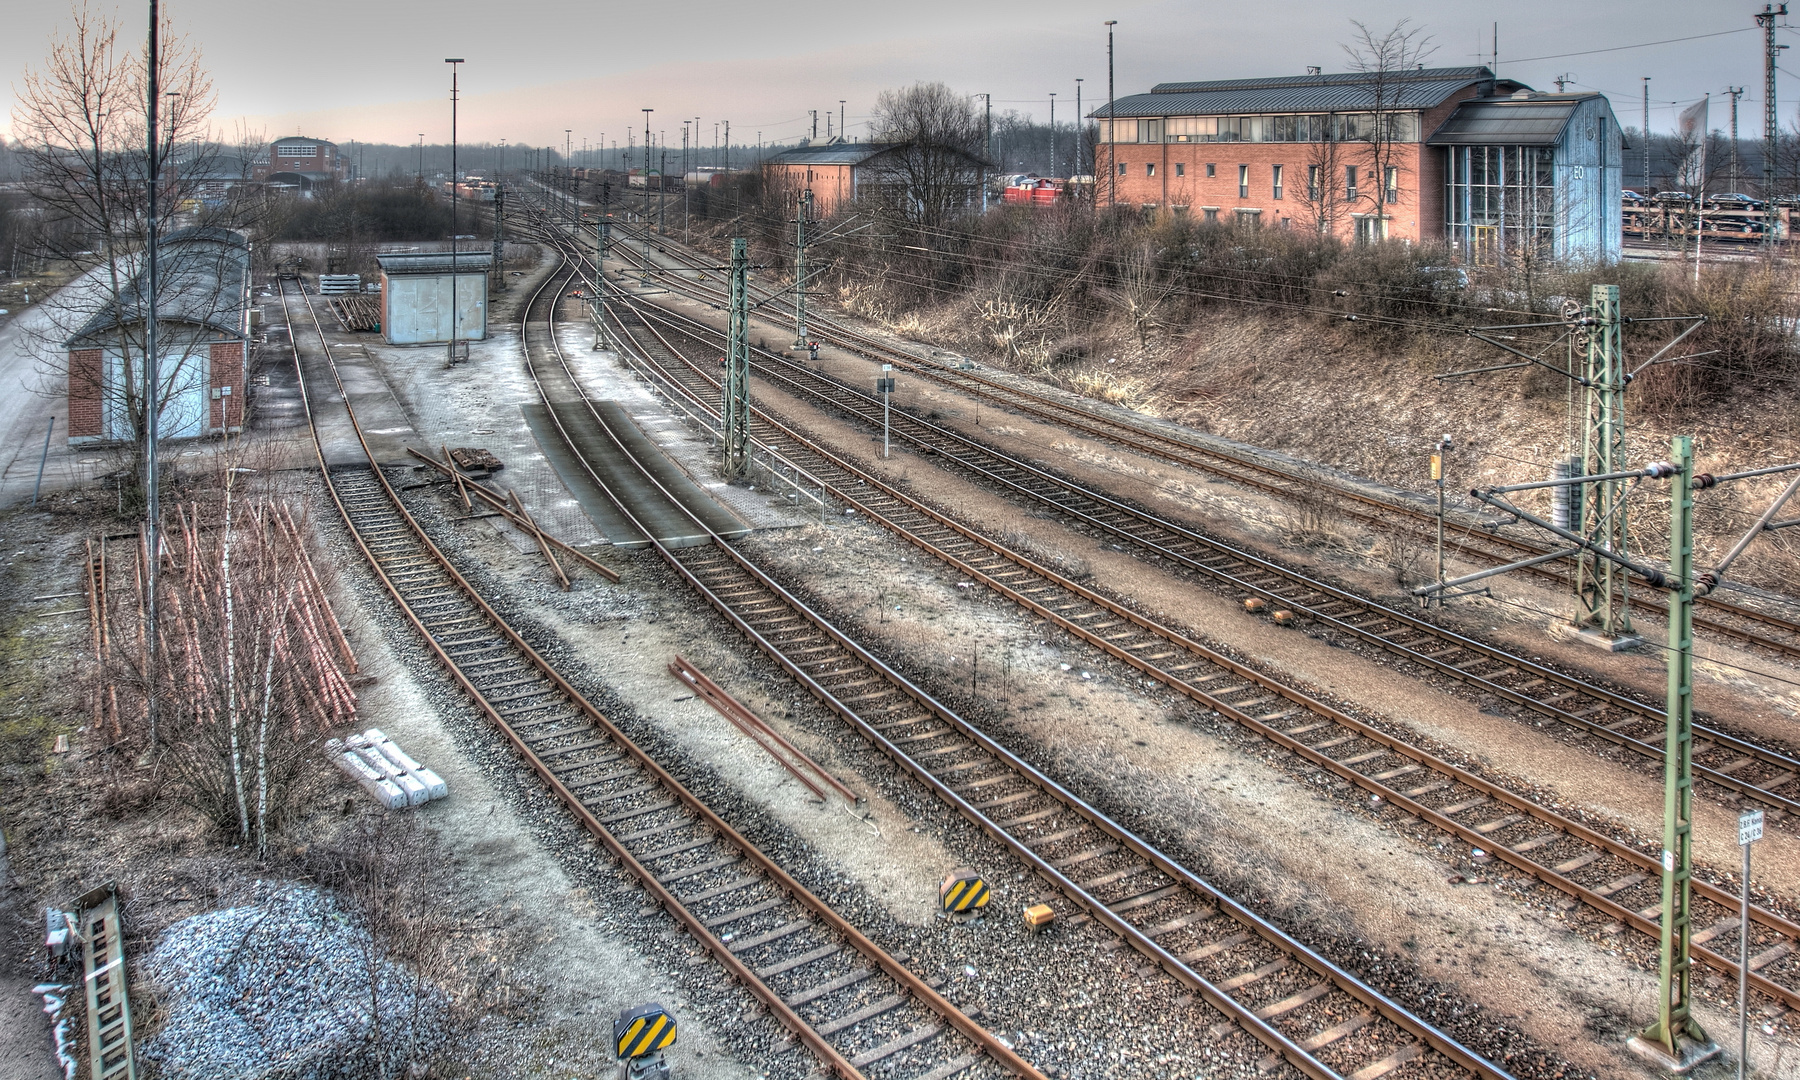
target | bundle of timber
[
  {"x": 356, "y": 313},
  {"x": 250, "y": 667}
]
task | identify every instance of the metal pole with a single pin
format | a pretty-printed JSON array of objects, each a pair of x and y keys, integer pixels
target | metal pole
[
  {"x": 152, "y": 383},
  {"x": 1080, "y": 135},
  {"x": 737, "y": 364},
  {"x": 804, "y": 205},
  {"x": 1646, "y": 190},
  {"x": 887, "y": 396},
  {"x": 1735, "y": 92},
  {"x": 35, "y": 488},
  {"x": 455, "y": 278},
  {"x": 1744, "y": 961},
  {"x": 1767, "y": 19},
  {"x": 1437, "y": 474},
  {"x": 1603, "y": 592},
  {"x": 1675, "y": 1021},
  {"x": 1112, "y": 137},
  {"x": 1052, "y": 133}
]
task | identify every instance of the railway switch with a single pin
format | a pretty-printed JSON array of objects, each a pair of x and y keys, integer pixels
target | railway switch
[
  {"x": 1039, "y": 916},
  {"x": 962, "y": 891},
  {"x": 640, "y": 1036}
]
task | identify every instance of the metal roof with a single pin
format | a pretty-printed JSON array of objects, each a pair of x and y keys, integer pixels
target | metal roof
[
  {"x": 434, "y": 262},
  {"x": 203, "y": 278},
  {"x": 835, "y": 152},
  {"x": 1535, "y": 121},
  {"x": 1342, "y": 92}
]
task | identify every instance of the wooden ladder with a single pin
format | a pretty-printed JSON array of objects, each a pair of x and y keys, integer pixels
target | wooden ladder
[{"x": 108, "y": 1006}]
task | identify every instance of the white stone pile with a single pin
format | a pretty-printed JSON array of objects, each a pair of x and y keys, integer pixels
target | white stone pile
[
  {"x": 385, "y": 771},
  {"x": 288, "y": 988}
]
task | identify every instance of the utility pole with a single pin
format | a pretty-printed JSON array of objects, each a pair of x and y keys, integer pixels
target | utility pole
[
  {"x": 1437, "y": 474},
  {"x": 987, "y": 145},
  {"x": 568, "y": 174},
  {"x": 1766, "y": 18},
  {"x": 1112, "y": 140},
  {"x": 805, "y": 205},
  {"x": 1602, "y": 591},
  {"x": 1676, "y": 1033},
  {"x": 815, "y": 123},
  {"x": 728, "y": 150},
  {"x": 1646, "y": 190},
  {"x": 647, "y": 113},
  {"x": 842, "y": 133},
  {"x": 455, "y": 281},
  {"x": 1562, "y": 80},
  {"x": 152, "y": 378},
  {"x": 1735, "y": 92},
  {"x": 1053, "y": 133},
  {"x": 1080, "y": 135},
  {"x": 662, "y": 195},
  {"x": 737, "y": 365},
  {"x": 499, "y": 235}
]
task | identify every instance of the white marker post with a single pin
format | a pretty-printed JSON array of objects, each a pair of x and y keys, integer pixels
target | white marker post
[
  {"x": 885, "y": 386},
  {"x": 1750, "y": 830}
]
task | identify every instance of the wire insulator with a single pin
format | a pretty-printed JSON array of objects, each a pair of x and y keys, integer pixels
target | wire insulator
[
  {"x": 1705, "y": 583},
  {"x": 1661, "y": 470},
  {"x": 1704, "y": 481}
]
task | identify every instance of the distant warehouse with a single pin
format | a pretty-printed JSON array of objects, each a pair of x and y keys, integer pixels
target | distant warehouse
[
  {"x": 902, "y": 174},
  {"x": 202, "y": 335},
  {"x": 1456, "y": 154}
]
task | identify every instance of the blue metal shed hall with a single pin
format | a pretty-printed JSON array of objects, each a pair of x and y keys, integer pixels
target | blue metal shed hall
[{"x": 1533, "y": 173}]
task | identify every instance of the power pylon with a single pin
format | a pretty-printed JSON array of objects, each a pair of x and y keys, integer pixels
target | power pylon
[
  {"x": 1602, "y": 590},
  {"x": 737, "y": 365}
]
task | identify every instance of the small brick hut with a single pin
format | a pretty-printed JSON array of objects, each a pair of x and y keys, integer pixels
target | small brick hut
[{"x": 203, "y": 335}]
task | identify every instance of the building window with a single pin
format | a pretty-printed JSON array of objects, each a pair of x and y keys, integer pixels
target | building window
[
  {"x": 1370, "y": 228},
  {"x": 1121, "y": 168},
  {"x": 1313, "y": 173},
  {"x": 1393, "y": 184},
  {"x": 1212, "y": 170},
  {"x": 1149, "y": 131},
  {"x": 1211, "y": 213},
  {"x": 1150, "y": 168},
  {"x": 1243, "y": 181},
  {"x": 1180, "y": 168},
  {"x": 1350, "y": 183},
  {"x": 1275, "y": 171},
  {"x": 1247, "y": 217},
  {"x": 296, "y": 150},
  {"x": 1500, "y": 200}
]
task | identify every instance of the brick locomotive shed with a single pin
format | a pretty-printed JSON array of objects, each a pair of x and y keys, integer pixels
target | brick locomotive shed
[
  {"x": 202, "y": 338},
  {"x": 1488, "y": 164}
]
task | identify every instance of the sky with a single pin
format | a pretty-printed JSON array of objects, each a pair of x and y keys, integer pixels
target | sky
[{"x": 373, "y": 70}]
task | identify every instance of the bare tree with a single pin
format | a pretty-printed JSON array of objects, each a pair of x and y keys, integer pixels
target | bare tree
[
  {"x": 933, "y": 173},
  {"x": 1387, "y": 63},
  {"x": 81, "y": 123},
  {"x": 1321, "y": 195}
]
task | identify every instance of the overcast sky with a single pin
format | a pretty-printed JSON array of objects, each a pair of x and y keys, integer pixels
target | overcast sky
[{"x": 372, "y": 70}]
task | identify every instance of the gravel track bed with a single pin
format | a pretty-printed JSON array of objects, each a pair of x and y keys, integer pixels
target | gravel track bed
[
  {"x": 1071, "y": 1001},
  {"x": 1392, "y": 974}
]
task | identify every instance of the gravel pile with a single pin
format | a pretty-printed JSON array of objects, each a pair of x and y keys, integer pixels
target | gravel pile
[{"x": 282, "y": 989}]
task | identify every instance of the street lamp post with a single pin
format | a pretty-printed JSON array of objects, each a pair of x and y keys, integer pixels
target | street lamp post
[
  {"x": 568, "y": 171},
  {"x": 1112, "y": 171},
  {"x": 421, "y": 157},
  {"x": 455, "y": 279}
]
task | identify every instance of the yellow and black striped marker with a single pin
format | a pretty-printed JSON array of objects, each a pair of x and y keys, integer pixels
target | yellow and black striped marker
[
  {"x": 963, "y": 890},
  {"x": 643, "y": 1030}
]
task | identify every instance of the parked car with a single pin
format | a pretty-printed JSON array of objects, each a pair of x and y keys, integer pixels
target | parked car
[
  {"x": 1790, "y": 200},
  {"x": 1672, "y": 197},
  {"x": 1734, "y": 200},
  {"x": 1632, "y": 198}
]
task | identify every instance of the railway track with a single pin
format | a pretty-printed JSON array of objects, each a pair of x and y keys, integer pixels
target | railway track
[
  {"x": 858, "y": 1010},
  {"x": 1469, "y": 538},
  {"x": 1305, "y": 1010},
  {"x": 1610, "y": 877},
  {"x": 1735, "y": 768}
]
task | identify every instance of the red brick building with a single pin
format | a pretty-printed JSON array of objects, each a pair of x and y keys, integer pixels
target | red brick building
[
  {"x": 1293, "y": 152},
  {"x": 203, "y": 334},
  {"x": 837, "y": 172},
  {"x": 302, "y": 164}
]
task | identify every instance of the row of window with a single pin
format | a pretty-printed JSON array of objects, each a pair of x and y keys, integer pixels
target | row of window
[
  {"x": 1315, "y": 176},
  {"x": 1321, "y": 127}
]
